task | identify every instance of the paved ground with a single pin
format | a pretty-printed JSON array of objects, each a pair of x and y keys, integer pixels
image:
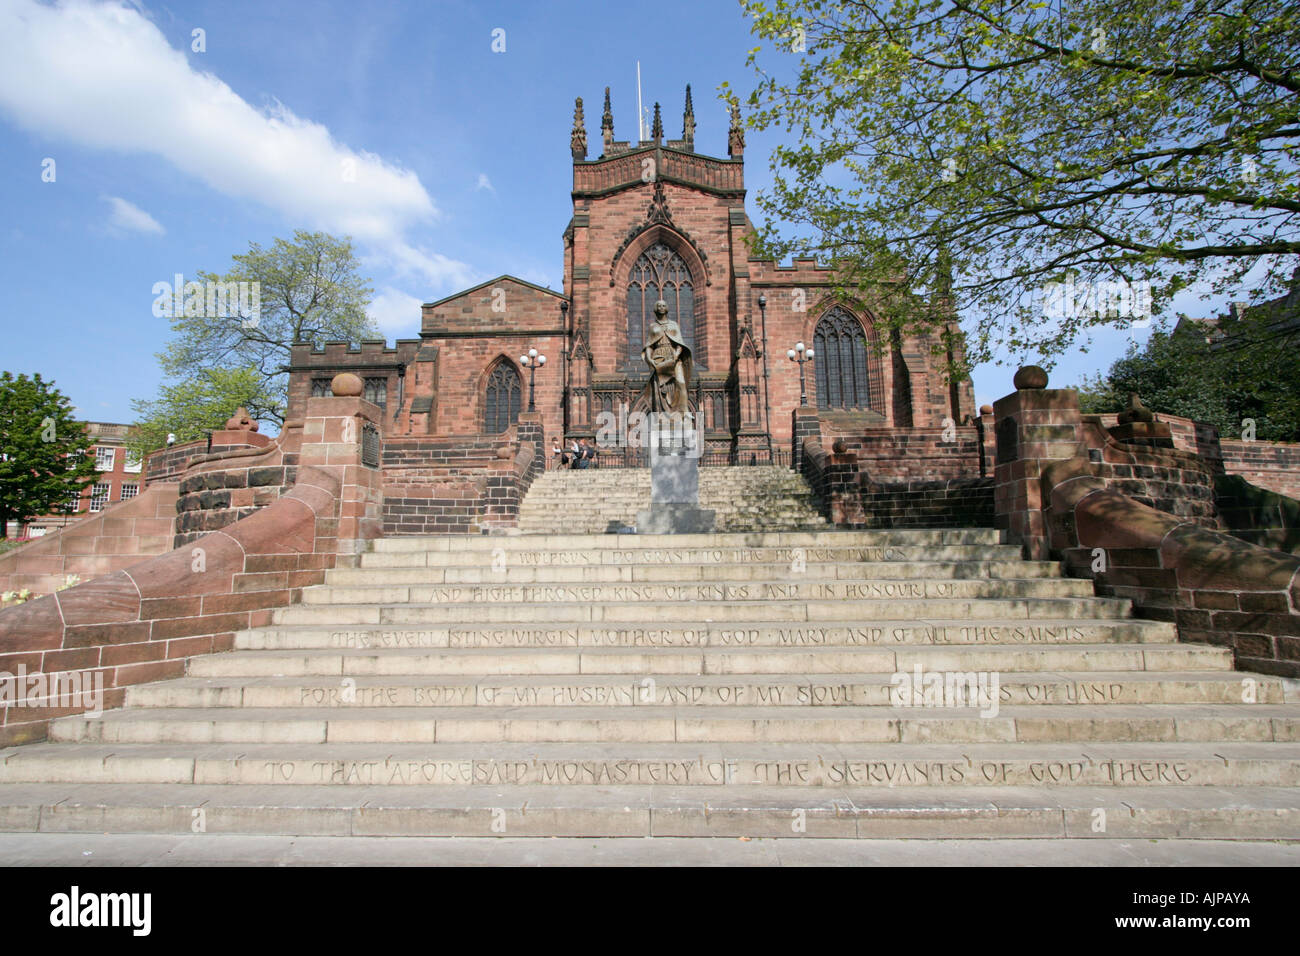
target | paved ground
[{"x": 48, "y": 849}]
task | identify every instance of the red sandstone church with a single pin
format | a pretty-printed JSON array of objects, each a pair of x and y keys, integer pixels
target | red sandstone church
[{"x": 653, "y": 219}]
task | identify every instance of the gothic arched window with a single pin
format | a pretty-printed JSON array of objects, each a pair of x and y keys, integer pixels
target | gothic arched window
[
  {"x": 501, "y": 407},
  {"x": 841, "y": 361},
  {"x": 659, "y": 273},
  {"x": 376, "y": 390}
]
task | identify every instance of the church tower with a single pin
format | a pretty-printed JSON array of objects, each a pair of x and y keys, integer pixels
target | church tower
[
  {"x": 659, "y": 219},
  {"x": 655, "y": 220}
]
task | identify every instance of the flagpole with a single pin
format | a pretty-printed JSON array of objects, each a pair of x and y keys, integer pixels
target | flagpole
[{"x": 640, "y": 116}]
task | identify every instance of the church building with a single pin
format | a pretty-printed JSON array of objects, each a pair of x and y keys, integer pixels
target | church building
[{"x": 653, "y": 219}]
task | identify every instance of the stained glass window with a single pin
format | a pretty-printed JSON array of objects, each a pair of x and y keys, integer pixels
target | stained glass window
[
  {"x": 659, "y": 273},
  {"x": 840, "y": 352},
  {"x": 503, "y": 393}
]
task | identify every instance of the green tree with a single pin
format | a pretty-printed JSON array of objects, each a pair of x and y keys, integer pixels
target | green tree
[
  {"x": 1096, "y": 396},
  {"x": 1240, "y": 381},
  {"x": 42, "y": 466},
  {"x": 192, "y": 407},
  {"x": 307, "y": 290},
  {"x": 1108, "y": 143}
]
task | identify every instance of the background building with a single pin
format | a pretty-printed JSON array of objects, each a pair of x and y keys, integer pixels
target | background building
[
  {"x": 119, "y": 479},
  {"x": 651, "y": 219}
]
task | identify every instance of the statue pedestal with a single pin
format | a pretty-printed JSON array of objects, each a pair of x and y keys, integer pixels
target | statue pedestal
[
  {"x": 674, "y": 519},
  {"x": 674, "y": 494}
]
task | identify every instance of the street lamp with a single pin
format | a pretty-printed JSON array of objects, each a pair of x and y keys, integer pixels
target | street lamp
[
  {"x": 767, "y": 399},
  {"x": 800, "y": 354},
  {"x": 531, "y": 361}
]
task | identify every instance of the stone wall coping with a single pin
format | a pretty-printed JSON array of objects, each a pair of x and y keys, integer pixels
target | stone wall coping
[
  {"x": 1097, "y": 435},
  {"x": 220, "y": 458},
  {"x": 1202, "y": 557}
]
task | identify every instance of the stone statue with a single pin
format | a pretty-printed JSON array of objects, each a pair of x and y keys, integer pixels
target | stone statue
[
  {"x": 669, "y": 359},
  {"x": 675, "y": 446}
]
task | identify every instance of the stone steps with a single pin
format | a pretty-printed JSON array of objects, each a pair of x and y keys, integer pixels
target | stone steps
[
  {"x": 717, "y": 541},
  {"x": 793, "y": 500},
  {"x": 726, "y": 522},
  {"x": 657, "y": 661},
  {"x": 696, "y": 592},
  {"x": 594, "y": 501},
  {"x": 726, "y": 685},
  {"x": 846, "y": 766},
  {"x": 724, "y": 495},
  {"x": 708, "y": 473},
  {"x": 878, "y": 633},
  {"x": 984, "y": 813},
  {"x": 743, "y": 499},
  {"x": 842, "y": 724},
  {"x": 629, "y": 554},
  {"x": 1016, "y": 689},
  {"x": 485, "y": 573},
  {"x": 720, "y": 609}
]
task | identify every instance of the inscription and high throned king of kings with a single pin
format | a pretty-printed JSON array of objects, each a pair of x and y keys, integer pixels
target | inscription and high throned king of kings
[{"x": 675, "y": 445}]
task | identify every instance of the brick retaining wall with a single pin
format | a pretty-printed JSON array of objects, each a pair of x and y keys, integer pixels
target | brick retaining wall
[
  {"x": 460, "y": 485},
  {"x": 892, "y": 455}
]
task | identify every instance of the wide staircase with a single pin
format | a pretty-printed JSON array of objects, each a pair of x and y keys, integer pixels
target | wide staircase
[
  {"x": 745, "y": 498},
  {"x": 876, "y": 684}
]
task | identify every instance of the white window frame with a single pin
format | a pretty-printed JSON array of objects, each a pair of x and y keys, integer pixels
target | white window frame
[
  {"x": 98, "y": 503},
  {"x": 133, "y": 465},
  {"x": 102, "y": 451},
  {"x": 134, "y": 486}
]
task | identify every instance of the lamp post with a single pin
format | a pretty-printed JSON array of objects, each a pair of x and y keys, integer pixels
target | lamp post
[
  {"x": 532, "y": 361},
  {"x": 565, "y": 398},
  {"x": 800, "y": 354},
  {"x": 767, "y": 400}
]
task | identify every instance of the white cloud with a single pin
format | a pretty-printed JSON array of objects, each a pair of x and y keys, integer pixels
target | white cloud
[
  {"x": 128, "y": 217},
  {"x": 103, "y": 76},
  {"x": 396, "y": 313},
  {"x": 485, "y": 183},
  {"x": 539, "y": 277},
  {"x": 408, "y": 260}
]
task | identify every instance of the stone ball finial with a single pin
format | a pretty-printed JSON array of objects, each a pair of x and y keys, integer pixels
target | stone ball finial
[
  {"x": 986, "y": 409},
  {"x": 839, "y": 446},
  {"x": 1136, "y": 411},
  {"x": 1030, "y": 377},
  {"x": 240, "y": 422},
  {"x": 347, "y": 385},
  {"x": 661, "y": 309}
]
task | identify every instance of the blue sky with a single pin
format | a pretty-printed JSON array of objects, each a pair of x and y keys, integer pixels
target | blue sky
[{"x": 168, "y": 160}]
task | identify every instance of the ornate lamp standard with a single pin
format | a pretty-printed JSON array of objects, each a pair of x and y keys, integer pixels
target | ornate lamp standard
[
  {"x": 800, "y": 354},
  {"x": 767, "y": 401},
  {"x": 532, "y": 361}
]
